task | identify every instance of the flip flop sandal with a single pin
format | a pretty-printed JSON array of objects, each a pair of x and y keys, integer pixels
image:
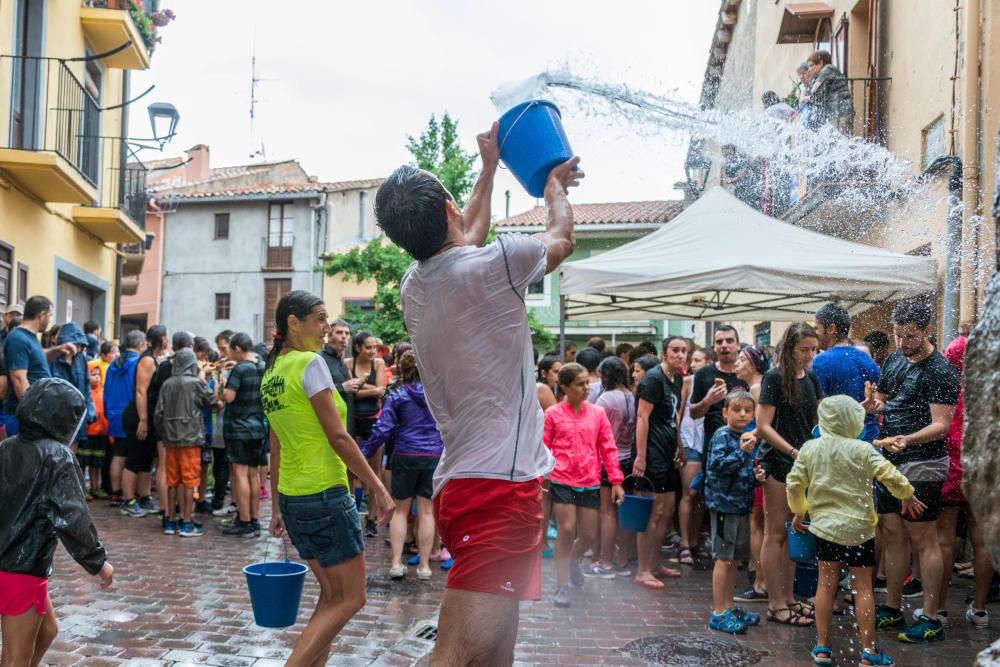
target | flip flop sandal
[
  {"x": 684, "y": 557},
  {"x": 792, "y": 619},
  {"x": 651, "y": 585},
  {"x": 667, "y": 573}
]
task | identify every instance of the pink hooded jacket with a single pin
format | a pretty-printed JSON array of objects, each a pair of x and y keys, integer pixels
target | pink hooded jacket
[{"x": 581, "y": 443}]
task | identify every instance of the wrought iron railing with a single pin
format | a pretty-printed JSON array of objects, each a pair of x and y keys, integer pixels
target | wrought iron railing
[
  {"x": 868, "y": 117},
  {"x": 122, "y": 181},
  {"x": 51, "y": 111}
]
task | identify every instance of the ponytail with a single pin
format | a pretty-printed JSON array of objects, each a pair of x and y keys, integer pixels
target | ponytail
[{"x": 298, "y": 303}]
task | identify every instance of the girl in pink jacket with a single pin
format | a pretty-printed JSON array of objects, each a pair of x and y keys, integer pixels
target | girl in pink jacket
[{"x": 580, "y": 437}]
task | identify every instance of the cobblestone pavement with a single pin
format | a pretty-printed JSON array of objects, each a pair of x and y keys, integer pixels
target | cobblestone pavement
[{"x": 184, "y": 601}]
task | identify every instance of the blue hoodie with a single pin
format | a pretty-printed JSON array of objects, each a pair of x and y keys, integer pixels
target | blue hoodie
[
  {"x": 729, "y": 478},
  {"x": 119, "y": 389},
  {"x": 407, "y": 421},
  {"x": 75, "y": 371}
]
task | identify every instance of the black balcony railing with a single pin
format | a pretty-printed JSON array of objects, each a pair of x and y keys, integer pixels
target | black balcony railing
[
  {"x": 51, "y": 111},
  {"x": 122, "y": 181},
  {"x": 868, "y": 94}
]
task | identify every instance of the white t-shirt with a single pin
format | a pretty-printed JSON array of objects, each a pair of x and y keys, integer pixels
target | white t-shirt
[{"x": 465, "y": 312}]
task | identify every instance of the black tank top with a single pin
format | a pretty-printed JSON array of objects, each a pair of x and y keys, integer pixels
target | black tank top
[{"x": 366, "y": 407}]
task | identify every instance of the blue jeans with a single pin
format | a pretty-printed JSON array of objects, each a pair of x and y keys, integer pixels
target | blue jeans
[{"x": 323, "y": 526}]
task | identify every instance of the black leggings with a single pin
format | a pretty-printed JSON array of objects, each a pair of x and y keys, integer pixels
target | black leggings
[{"x": 220, "y": 471}]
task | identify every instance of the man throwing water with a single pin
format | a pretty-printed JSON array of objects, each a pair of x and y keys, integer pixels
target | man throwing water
[{"x": 488, "y": 499}]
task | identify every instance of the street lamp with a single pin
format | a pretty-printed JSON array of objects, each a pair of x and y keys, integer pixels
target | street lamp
[{"x": 163, "y": 118}]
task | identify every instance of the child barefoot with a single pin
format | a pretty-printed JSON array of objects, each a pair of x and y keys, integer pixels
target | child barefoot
[
  {"x": 43, "y": 499},
  {"x": 729, "y": 484},
  {"x": 836, "y": 470},
  {"x": 580, "y": 437}
]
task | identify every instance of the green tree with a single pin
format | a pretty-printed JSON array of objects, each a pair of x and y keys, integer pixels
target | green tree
[{"x": 439, "y": 152}]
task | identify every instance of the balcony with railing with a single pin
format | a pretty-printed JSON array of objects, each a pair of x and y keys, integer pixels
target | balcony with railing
[
  {"x": 49, "y": 143},
  {"x": 122, "y": 28},
  {"x": 119, "y": 212},
  {"x": 276, "y": 252}
]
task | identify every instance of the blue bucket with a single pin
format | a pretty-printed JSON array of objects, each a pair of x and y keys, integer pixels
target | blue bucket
[
  {"x": 633, "y": 513},
  {"x": 806, "y": 579},
  {"x": 532, "y": 142},
  {"x": 801, "y": 546},
  {"x": 275, "y": 592}
]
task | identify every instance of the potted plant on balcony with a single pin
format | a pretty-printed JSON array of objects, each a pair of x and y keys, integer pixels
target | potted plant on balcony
[{"x": 146, "y": 23}]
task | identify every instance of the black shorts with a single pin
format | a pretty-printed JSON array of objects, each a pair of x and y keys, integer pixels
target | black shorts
[
  {"x": 118, "y": 447},
  {"x": 567, "y": 495},
  {"x": 139, "y": 454},
  {"x": 265, "y": 452},
  {"x": 777, "y": 465},
  {"x": 413, "y": 476},
  {"x": 862, "y": 555},
  {"x": 363, "y": 427},
  {"x": 929, "y": 493},
  {"x": 245, "y": 452},
  {"x": 663, "y": 479},
  {"x": 626, "y": 468}
]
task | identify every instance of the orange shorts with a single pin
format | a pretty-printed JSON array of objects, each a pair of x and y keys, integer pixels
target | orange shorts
[
  {"x": 493, "y": 530},
  {"x": 184, "y": 466}
]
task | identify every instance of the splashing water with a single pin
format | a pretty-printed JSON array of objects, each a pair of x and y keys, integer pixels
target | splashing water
[{"x": 866, "y": 174}]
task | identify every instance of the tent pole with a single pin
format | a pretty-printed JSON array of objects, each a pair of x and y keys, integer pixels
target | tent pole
[{"x": 562, "y": 326}]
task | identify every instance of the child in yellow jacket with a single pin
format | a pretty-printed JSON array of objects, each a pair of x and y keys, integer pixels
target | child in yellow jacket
[{"x": 836, "y": 470}]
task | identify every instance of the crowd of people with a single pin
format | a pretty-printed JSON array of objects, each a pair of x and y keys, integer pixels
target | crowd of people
[{"x": 480, "y": 470}]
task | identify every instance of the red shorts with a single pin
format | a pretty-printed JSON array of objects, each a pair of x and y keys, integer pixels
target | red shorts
[
  {"x": 492, "y": 528},
  {"x": 21, "y": 592},
  {"x": 758, "y": 495}
]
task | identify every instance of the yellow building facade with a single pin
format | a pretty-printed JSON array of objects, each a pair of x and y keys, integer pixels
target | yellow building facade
[
  {"x": 71, "y": 190},
  {"x": 925, "y": 77}
]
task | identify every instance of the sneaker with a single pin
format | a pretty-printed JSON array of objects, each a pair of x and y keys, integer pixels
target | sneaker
[
  {"x": 548, "y": 553},
  {"x": 727, "y": 622},
  {"x": 887, "y": 618},
  {"x": 747, "y": 617},
  {"x": 188, "y": 529},
  {"x": 115, "y": 500},
  {"x": 371, "y": 528},
  {"x": 239, "y": 529},
  {"x": 942, "y": 616},
  {"x": 575, "y": 573},
  {"x": 363, "y": 507},
  {"x": 912, "y": 588},
  {"x": 169, "y": 527},
  {"x": 99, "y": 493},
  {"x": 202, "y": 507},
  {"x": 149, "y": 504},
  {"x": 255, "y": 524},
  {"x": 263, "y": 493},
  {"x": 224, "y": 511},
  {"x": 397, "y": 572},
  {"x": 923, "y": 631},
  {"x": 881, "y": 584},
  {"x": 414, "y": 560},
  {"x": 441, "y": 556},
  {"x": 750, "y": 595},
  {"x": 132, "y": 508},
  {"x": 447, "y": 564},
  {"x": 561, "y": 598},
  {"x": 424, "y": 575},
  {"x": 599, "y": 572},
  {"x": 978, "y": 617},
  {"x": 623, "y": 571}
]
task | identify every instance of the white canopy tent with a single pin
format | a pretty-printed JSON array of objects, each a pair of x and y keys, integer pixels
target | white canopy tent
[{"x": 723, "y": 260}]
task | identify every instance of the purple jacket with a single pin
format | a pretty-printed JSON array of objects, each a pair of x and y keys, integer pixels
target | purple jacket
[{"x": 407, "y": 421}]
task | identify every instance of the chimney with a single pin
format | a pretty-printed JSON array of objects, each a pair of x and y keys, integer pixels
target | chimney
[{"x": 198, "y": 168}]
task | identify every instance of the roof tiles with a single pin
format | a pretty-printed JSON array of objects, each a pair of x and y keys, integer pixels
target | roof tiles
[{"x": 613, "y": 213}]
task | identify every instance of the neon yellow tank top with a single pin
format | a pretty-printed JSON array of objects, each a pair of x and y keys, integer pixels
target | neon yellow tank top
[{"x": 308, "y": 463}]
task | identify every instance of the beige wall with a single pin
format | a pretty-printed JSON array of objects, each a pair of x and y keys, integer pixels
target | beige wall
[{"x": 336, "y": 290}]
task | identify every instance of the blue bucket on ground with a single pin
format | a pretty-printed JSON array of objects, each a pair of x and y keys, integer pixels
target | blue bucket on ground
[
  {"x": 806, "y": 579},
  {"x": 801, "y": 546},
  {"x": 275, "y": 592},
  {"x": 633, "y": 513},
  {"x": 532, "y": 141}
]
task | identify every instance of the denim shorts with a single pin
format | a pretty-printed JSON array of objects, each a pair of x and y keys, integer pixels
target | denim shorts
[
  {"x": 693, "y": 455},
  {"x": 323, "y": 526}
]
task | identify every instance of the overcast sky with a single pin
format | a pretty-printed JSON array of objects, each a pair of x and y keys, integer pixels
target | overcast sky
[{"x": 345, "y": 82}]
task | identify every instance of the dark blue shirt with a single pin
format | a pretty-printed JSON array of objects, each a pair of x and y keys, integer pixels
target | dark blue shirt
[
  {"x": 844, "y": 370},
  {"x": 23, "y": 352}
]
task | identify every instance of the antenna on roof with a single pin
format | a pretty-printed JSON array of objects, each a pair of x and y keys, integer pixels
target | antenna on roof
[{"x": 254, "y": 82}]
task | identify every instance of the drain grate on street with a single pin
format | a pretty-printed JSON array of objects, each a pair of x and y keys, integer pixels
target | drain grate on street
[
  {"x": 381, "y": 585},
  {"x": 428, "y": 633},
  {"x": 693, "y": 651}
]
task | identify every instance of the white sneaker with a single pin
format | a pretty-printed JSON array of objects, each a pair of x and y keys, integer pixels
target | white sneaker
[
  {"x": 424, "y": 575},
  {"x": 942, "y": 616},
  {"x": 397, "y": 572},
  {"x": 978, "y": 617}
]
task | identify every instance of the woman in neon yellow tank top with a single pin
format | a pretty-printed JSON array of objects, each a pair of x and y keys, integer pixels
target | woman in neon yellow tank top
[{"x": 310, "y": 454}]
